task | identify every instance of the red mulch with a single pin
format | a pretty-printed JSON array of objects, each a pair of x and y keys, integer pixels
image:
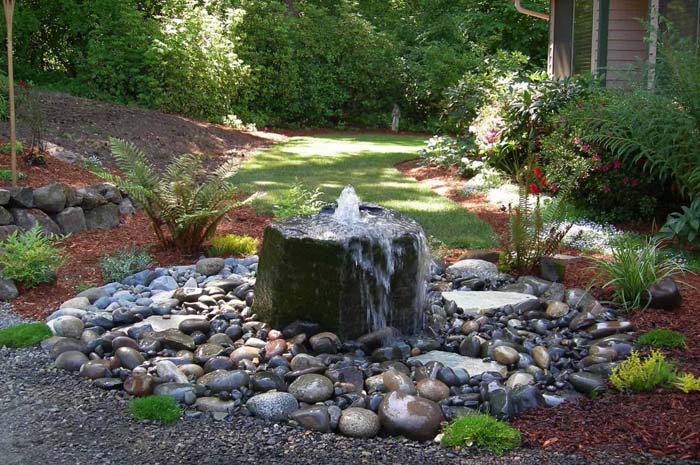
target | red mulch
[
  {"x": 85, "y": 249},
  {"x": 662, "y": 423},
  {"x": 54, "y": 171}
]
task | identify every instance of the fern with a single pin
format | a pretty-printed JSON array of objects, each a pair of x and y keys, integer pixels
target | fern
[{"x": 185, "y": 204}]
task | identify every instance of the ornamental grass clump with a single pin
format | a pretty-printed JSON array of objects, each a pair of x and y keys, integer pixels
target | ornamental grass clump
[
  {"x": 665, "y": 338},
  {"x": 184, "y": 212},
  {"x": 633, "y": 269},
  {"x": 232, "y": 245},
  {"x": 31, "y": 257},
  {"x": 162, "y": 409},
  {"x": 24, "y": 335},
  {"x": 481, "y": 431},
  {"x": 637, "y": 375}
]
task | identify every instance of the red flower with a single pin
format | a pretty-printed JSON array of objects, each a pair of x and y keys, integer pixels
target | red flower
[
  {"x": 606, "y": 189},
  {"x": 23, "y": 85},
  {"x": 585, "y": 147},
  {"x": 625, "y": 180},
  {"x": 544, "y": 181},
  {"x": 553, "y": 187},
  {"x": 605, "y": 168},
  {"x": 616, "y": 164},
  {"x": 538, "y": 172},
  {"x": 577, "y": 140},
  {"x": 595, "y": 156},
  {"x": 534, "y": 189}
]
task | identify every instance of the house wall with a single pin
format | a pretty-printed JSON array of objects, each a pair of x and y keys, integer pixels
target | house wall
[{"x": 626, "y": 45}]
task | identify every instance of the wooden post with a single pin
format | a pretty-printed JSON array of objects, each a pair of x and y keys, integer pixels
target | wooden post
[{"x": 9, "y": 6}]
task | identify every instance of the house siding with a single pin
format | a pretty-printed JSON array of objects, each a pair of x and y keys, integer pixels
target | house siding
[{"x": 626, "y": 45}]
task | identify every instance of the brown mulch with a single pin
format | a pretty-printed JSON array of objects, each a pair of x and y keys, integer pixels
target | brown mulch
[
  {"x": 54, "y": 171},
  {"x": 662, "y": 423},
  {"x": 85, "y": 249}
]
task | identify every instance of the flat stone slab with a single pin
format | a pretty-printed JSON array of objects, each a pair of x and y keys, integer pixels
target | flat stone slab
[
  {"x": 474, "y": 366},
  {"x": 160, "y": 323},
  {"x": 479, "y": 302}
]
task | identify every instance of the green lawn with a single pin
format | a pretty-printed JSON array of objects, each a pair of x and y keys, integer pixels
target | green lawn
[{"x": 367, "y": 162}]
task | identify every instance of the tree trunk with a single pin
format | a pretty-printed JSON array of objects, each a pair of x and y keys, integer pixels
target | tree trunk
[{"x": 9, "y": 6}]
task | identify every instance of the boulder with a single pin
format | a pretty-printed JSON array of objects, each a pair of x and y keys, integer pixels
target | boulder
[
  {"x": 410, "y": 416},
  {"x": 4, "y": 196},
  {"x": 276, "y": 406},
  {"x": 91, "y": 198},
  {"x": 21, "y": 197},
  {"x": 73, "y": 197},
  {"x": 27, "y": 218},
  {"x": 311, "y": 388},
  {"x": 51, "y": 198},
  {"x": 210, "y": 266},
  {"x": 665, "y": 295},
  {"x": 71, "y": 220},
  {"x": 5, "y": 216},
  {"x": 5, "y": 231},
  {"x": 109, "y": 191},
  {"x": 8, "y": 290},
  {"x": 472, "y": 268},
  {"x": 102, "y": 217}
]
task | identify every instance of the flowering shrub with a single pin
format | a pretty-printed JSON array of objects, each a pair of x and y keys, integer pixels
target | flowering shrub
[{"x": 447, "y": 151}]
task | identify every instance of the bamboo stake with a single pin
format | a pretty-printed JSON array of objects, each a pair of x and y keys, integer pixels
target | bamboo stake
[{"x": 9, "y": 6}]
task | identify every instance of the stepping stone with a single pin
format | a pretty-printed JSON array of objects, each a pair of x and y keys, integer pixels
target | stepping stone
[
  {"x": 474, "y": 366},
  {"x": 477, "y": 303},
  {"x": 160, "y": 323}
]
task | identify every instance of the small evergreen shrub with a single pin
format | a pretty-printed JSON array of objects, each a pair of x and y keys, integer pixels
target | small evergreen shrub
[
  {"x": 24, "y": 335},
  {"x": 637, "y": 375},
  {"x": 662, "y": 338},
  {"x": 298, "y": 200},
  {"x": 482, "y": 432},
  {"x": 31, "y": 257},
  {"x": 688, "y": 383},
  {"x": 233, "y": 245},
  {"x": 123, "y": 263},
  {"x": 633, "y": 269},
  {"x": 163, "y": 409}
]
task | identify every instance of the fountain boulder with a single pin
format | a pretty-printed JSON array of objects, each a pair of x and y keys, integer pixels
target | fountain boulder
[{"x": 350, "y": 276}]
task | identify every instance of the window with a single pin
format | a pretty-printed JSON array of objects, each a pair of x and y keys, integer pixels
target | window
[{"x": 583, "y": 36}]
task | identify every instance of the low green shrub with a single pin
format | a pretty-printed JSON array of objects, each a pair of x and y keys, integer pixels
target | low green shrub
[
  {"x": 637, "y": 375},
  {"x": 687, "y": 383},
  {"x": 6, "y": 174},
  {"x": 31, "y": 257},
  {"x": 298, "y": 200},
  {"x": 684, "y": 226},
  {"x": 125, "y": 262},
  {"x": 233, "y": 245},
  {"x": 482, "y": 432},
  {"x": 662, "y": 338},
  {"x": 163, "y": 409},
  {"x": 24, "y": 335},
  {"x": 632, "y": 269},
  {"x": 6, "y": 147}
]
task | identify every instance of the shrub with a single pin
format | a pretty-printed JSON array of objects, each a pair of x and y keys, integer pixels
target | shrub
[
  {"x": 687, "y": 383},
  {"x": 638, "y": 375},
  {"x": 482, "y": 432},
  {"x": 633, "y": 269},
  {"x": 31, "y": 257},
  {"x": 6, "y": 174},
  {"x": 163, "y": 409},
  {"x": 683, "y": 226},
  {"x": 662, "y": 338},
  {"x": 24, "y": 335},
  {"x": 298, "y": 200},
  {"x": 233, "y": 245},
  {"x": 447, "y": 152},
  {"x": 189, "y": 210},
  {"x": 125, "y": 262}
]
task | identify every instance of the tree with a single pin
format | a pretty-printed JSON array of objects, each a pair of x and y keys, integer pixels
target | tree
[{"x": 9, "y": 6}]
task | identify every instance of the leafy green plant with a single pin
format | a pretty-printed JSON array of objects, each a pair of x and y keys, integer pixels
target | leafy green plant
[
  {"x": 686, "y": 382},
  {"x": 175, "y": 200},
  {"x": 24, "y": 335},
  {"x": 31, "y": 257},
  {"x": 232, "y": 245},
  {"x": 684, "y": 226},
  {"x": 637, "y": 375},
  {"x": 662, "y": 338},
  {"x": 125, "y": 262},
  {"x": 632, "y": 269},
  {"x": 6, "y": 175},
  {"x": 162, "y": 409},
  {"x": 6, "y": 147},
  {"x": 482, "y": 432},
  {"x": 298, "y": 200}
]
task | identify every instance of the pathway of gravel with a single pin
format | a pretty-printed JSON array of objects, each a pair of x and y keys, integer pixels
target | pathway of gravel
[{"x": 52, "y": 416}]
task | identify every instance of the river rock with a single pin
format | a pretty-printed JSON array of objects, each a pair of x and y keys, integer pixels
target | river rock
[
  {"x": 168, "y": 371},
  {"x": 276, "y": 406},
  {"x": 433, "y": 389},
  {"x": 67, "y": 326},
  {"x": 210, "y": 266},
  {"x": 71, "y": 360},
  {"x": 222, "y": 380},
  {"x": 311, "y": 388},
  {"x": 214, "y": 405},
  {"x": 505, "y": 355},
  {"x": 587, "y": 383},
  {"x": 396, "y": 381},
  {"x": 8, "y": 290},
  {"x": 139, "y": 385},
  {"x": 263, "y": 381},
  {"x": 472, "y": 268},
  {"x": 519, "y": 379},
  {"x": 315, "y": 418},
  {"x": 359, "y": 423},
  {"x": 557, "y": 310},
  {"x": 541, "y": 357},
  {"x": 95, "y": 369},
  {"x": 473, "y": 366},
  {"x": 324, "y": 343},
  {"x": 476, "y": 303},
  {"x": 182, "y": 392},
  {"x": 410, "y": 416},
  {"x": 129, "y": 358},
  {"x": 665, "y": 295}
]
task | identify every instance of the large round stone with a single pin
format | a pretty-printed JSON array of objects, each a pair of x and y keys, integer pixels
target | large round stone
[
  {"x": 410, "y": 416},
  {"x": 210, "y": 266},
  {"x": 433, "y": 389},
  {"x": 67, "y": 326},
  {"x": 95, "y": 369},
  {"x": 222, "y": 380},
  {"x": 140, "y": 385},
  {"x": 311, "y": 388},
  {"x": 276, "y": 406},
  {"x": 129, "y": 358},
  {"x": 359, "y": 423},
  {"x": 318, "y": 268},
  {"x": 71, "y": 360},
  {"x": 506, "y": 355},
  {"x": 314, "y": 417},
  {"x": 396, "y": 381}
]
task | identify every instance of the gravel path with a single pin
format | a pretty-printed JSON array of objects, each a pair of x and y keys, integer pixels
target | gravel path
[{"x": 51, "y": 416}]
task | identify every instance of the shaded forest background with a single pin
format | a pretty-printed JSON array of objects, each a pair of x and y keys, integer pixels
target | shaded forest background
[{"x": 291, "y": 63}]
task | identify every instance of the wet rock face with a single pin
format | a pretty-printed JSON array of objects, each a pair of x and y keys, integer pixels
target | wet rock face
[
  {"x": 410, "y": 416},
  {"x": 316, "y": 268}
]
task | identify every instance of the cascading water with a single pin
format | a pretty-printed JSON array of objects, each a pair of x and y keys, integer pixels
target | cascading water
[{"x": 354, "y": 268}]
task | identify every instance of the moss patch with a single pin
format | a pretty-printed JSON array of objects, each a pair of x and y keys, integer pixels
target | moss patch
[
  {"x": 481, "y": 431},
  {"x": 666, "y": 338},
  {"x": 163, "y": 409},
  {"x": 24, "y": 335}
]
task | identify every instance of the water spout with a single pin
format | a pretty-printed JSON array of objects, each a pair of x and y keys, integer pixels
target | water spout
[{"x": 348, "y": 210}]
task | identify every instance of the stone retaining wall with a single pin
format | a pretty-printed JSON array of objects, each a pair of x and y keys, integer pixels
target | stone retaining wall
[{"x": 62, "y": 209}]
